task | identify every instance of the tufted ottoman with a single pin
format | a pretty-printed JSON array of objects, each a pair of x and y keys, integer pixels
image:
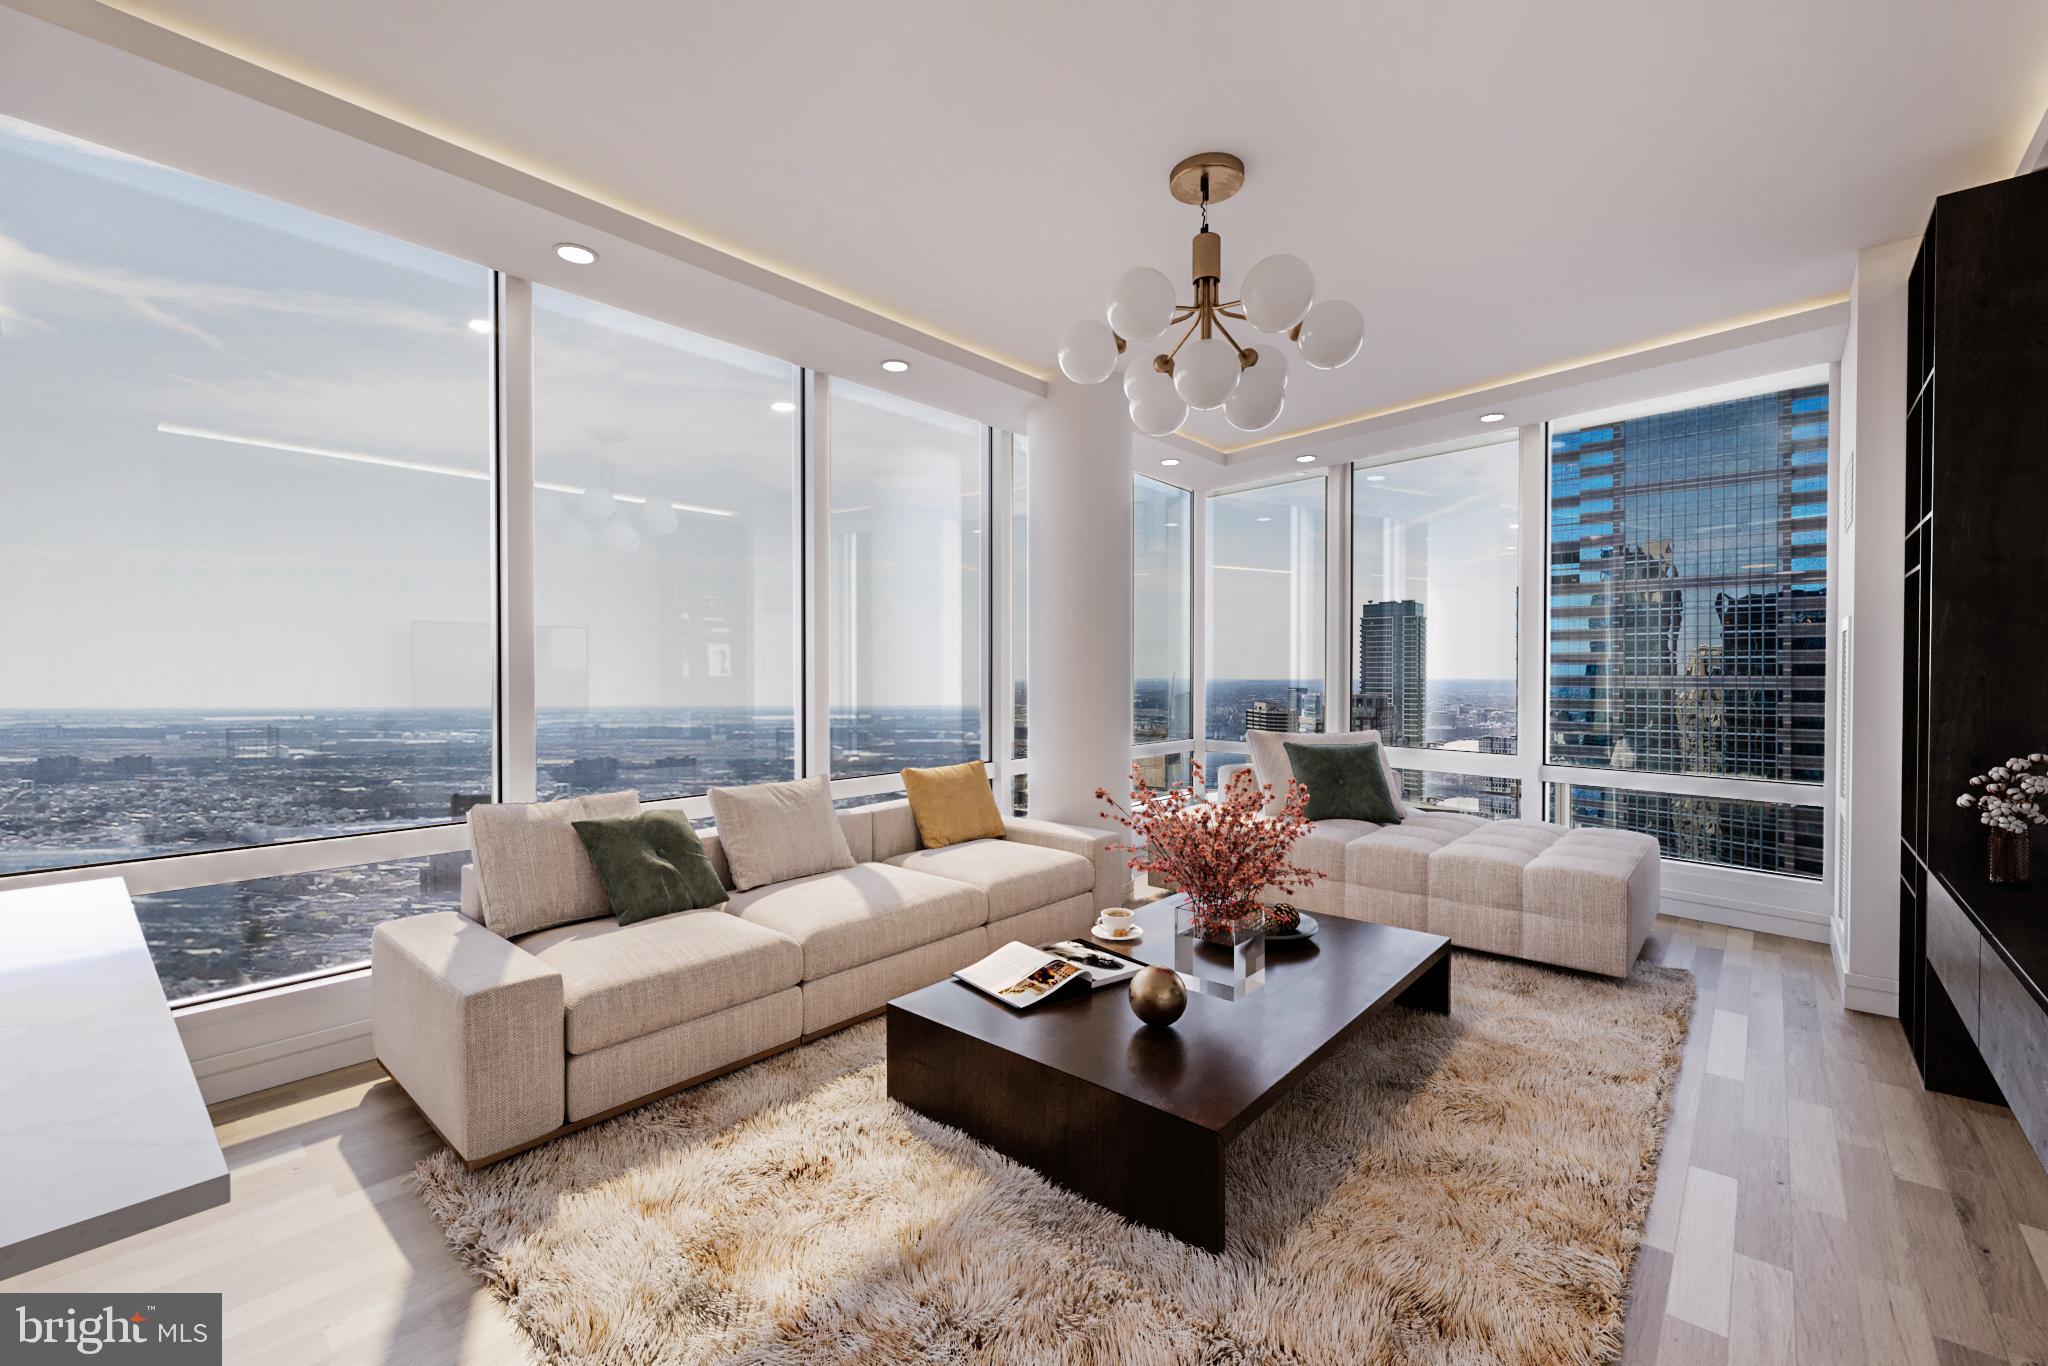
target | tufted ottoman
[{"x": 1577, "y": 898}]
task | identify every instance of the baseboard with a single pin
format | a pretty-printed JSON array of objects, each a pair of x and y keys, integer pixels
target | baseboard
[
  {"x": 1760, "y": 902},
  {"x": 244, "y": 1044},
  {"x": 1871, "y": 995},
  {"x": 1779, "y": 920}
]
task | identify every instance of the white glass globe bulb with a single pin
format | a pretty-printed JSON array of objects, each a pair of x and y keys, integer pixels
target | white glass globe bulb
[
  {"x": 1138, "y": 360},
  {"x": 1331, "y": 334},
  {"x": 1277, "y": 292},
  {"x": 1260, "y": 392},
  {"x": 659, "y": 517},
  {"x": 1156, "y": 409},
  {"x": 1205, "y": 372},
  {"x": 597, "y": 503},
  {"x": 1140, "y": 303},
  {"x": 1088, "y": 352}
]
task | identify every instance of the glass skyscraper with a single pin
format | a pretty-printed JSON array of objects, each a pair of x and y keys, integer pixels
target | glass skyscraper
[{"x": 1688, "y": 619}]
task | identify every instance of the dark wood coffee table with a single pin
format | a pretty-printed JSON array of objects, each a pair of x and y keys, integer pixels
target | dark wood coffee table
[{"x": 1138, "y": 1119}]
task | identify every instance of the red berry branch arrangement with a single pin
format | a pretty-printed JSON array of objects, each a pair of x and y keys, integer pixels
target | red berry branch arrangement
[{"x": 1220, "y": 853}]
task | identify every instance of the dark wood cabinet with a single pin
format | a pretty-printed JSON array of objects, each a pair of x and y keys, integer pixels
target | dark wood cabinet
[{"x": 1974, "y": 954}]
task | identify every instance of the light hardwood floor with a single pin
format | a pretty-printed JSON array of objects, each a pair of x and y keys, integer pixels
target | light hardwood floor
[{"x": 1813, "y": 1205}]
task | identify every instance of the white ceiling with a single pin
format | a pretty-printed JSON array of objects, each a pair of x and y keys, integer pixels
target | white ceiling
[{"x": 1501, "y": 186}]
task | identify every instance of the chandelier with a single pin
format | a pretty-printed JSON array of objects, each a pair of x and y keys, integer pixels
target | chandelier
[{"x": 1207, "y": 367}]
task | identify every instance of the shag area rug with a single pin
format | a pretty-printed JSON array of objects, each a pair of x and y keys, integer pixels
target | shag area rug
[{"x": 1458, "y": 1189}]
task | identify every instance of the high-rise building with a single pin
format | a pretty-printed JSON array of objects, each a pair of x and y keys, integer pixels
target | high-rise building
[
  {"x": 1393, "y": 663},
  {"x": 1688, "y": 617},
  {"x": 1269, "y": 716}
]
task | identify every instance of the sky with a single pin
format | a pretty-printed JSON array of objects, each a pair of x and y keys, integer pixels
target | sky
[{"x": 246, "y": 452}]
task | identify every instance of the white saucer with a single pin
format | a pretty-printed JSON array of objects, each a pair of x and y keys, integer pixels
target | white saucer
[{"x": 1137, "y": 932}]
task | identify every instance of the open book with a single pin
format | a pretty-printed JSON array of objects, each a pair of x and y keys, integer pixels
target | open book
[
  {"x": 1102, "y": 967},
  {"x": 1019, "y": 975}
]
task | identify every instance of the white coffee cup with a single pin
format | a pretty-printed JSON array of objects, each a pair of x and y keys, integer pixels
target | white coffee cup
[{"x": 1116, "y": 922}]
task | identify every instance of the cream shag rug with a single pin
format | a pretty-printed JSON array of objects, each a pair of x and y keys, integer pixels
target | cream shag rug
[{"x": 1442, "y": 1190}]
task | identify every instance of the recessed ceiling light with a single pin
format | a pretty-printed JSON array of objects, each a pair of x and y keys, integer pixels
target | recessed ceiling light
[
  {"x": 1304, "y": 460},
  {"x": 1265, "y": 519},
  {"x": 575, "y": 253},
  {"x": 1514, "y": 526},
  {"x": 782, "y": 405},
  {"x": 481, "y": 326},
  {"x": 1375, "y": 478},
  {"x": 895, "y": 367},
  {"x": 1493, "y": 417},
  {"x": 1169, "y": 462}
]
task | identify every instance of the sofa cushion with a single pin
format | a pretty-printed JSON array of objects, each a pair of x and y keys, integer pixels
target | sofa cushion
[
  {"x": 952, "y": 805},
  {"x": 857, "y": 915},
  {"x": 530, "y": 866},
  {"x": 1321, "y": 850},
  {"x": 1270, "y": 766},
  {"x": 652, "y": 864},
  {"x": 895, "y": 830},
  {"x": 1014, "y": 877},
  {"x": 772, "y": 832},
  {"x": 622, "y": 981},
  {"x": 1396, "y": 857}
]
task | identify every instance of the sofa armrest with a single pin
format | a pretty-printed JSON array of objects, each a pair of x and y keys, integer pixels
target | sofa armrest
[
  {"x": 471, "y": 1026},
  {"x": 1112, "y": 872}
]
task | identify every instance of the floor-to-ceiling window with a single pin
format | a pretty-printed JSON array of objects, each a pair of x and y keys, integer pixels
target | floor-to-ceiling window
[
  {"x": 906, "y": 599},
  {"x": 265, "y": 614},
  {"x": 1162, "y": 603},
  {"x": 1435, "y": 578},
  {"x": 247, "y": 454},
  {"x": 664, "y": 556},
  {"x": 1435, "y": 571},
  {"x": 1266, "y": 580},
  {"x": 1688, "y": 625},
  {"x": 1162, "y": 629}
]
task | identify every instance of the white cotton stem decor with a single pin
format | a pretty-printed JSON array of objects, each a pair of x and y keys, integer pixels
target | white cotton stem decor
[
  {"x": 2010, "y": 796},
  {"x": 2008, "y": 803}
]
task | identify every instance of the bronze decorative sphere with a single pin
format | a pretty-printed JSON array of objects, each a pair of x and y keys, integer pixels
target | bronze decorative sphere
[{"x": 1157, "y": 997}]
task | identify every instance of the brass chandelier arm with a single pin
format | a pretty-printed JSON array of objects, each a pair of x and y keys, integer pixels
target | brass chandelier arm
[
  {"x": 1241, "y": 352},
  {"x": 1183, "y": 341}
]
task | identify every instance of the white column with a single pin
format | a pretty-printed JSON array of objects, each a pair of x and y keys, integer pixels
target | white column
[
  {"x": 1867, "y": 489},
  {"x": 1080, "y": 599}
]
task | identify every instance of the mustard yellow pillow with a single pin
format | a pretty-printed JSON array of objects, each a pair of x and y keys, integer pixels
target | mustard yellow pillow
[{"x": 952, "y": 804}]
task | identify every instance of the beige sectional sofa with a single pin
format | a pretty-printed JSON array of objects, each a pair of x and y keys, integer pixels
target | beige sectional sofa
[
  {"x": 504, "y": 1042},
  {"x": 1581, "y": 899}
]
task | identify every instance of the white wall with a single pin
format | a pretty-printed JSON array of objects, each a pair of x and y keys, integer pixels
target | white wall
[{"x": 1870, "y": 495}]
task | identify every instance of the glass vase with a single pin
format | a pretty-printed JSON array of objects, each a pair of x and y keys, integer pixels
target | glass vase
[
  {"x": 1220, "y": 948},
  {"x": 2008, "y": 857}
]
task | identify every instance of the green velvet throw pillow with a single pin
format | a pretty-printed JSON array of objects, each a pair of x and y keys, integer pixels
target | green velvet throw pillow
[
  {"x": 651, "y": 864},
  {"x": 1344, "y": 782}
]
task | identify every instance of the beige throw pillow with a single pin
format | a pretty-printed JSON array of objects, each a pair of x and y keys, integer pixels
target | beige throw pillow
[
  {"x": 773, "y": 832},
  {"x": 531, "y": 867},
  {"x": 1269, "y": 761}
]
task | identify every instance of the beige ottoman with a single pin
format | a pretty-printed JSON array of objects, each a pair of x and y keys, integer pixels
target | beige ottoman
[{"x": 1580, "y": 899}]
